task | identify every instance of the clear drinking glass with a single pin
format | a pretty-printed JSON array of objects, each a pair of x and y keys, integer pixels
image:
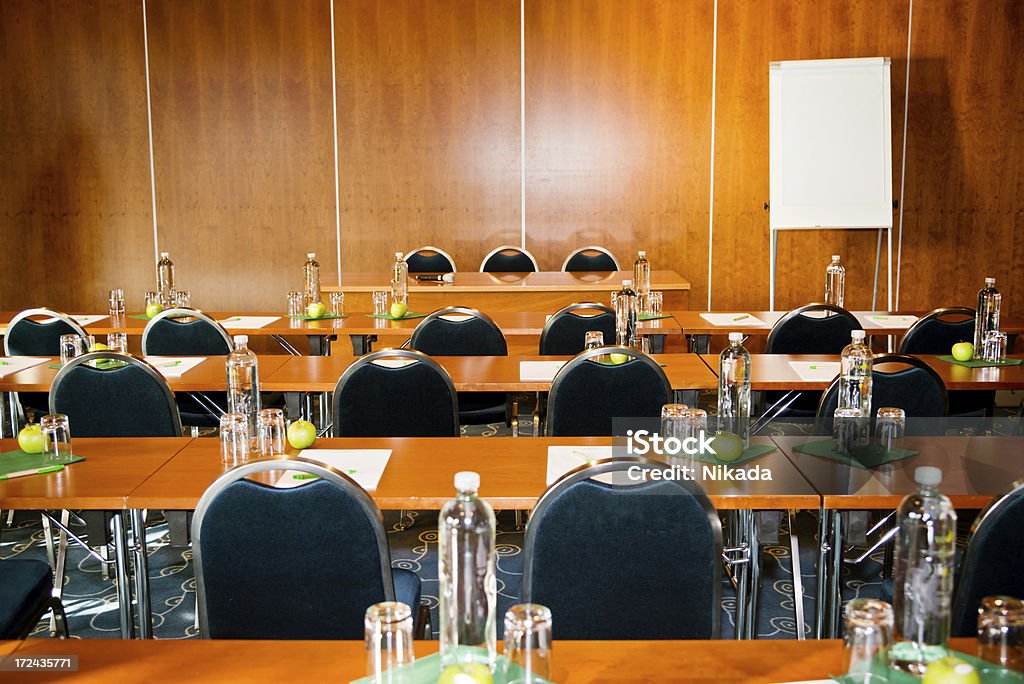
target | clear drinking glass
[
  {"x": 234, "y": 439},
  {"x": 846, "y": 429},
  {"x": 593, "y": 339},
  {"x": 527, "y": 643},
  {"x": 995, "y": 346},
  {"x": 70, "y": 347},
  {"x": 1001, "y": 631},
  {"x": 672, "y": 425},
  {"x": 56, "y": 438},
  {"x": 380, "y": 302},
  {"x": 183, "y": 299},
  {"x": 890, "y": 427},
  {"x": 152, "y": 298},
  {"x": 118, "y": 342},
  {"x": 296, "y": 303},
  {"x": 388, "y": 639},
  {"x": 615, "y": 295},
  {"x": 869, "y": 629},
  {"x": 88, "y": 342},
  {"x": 655, "y": 301},
  {"x": 270, "y": 431},
  {"x": 337, "y": 303},
  {"x": 643, "y": 344},
  {"x": 116, "y": 302}
]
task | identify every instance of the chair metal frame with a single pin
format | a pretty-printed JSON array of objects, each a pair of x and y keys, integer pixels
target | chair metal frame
[
  {"x": 431, "y": 248},
  {"x": 505, "y": 248},
  {"x": 568, "y": 311},
  {"x": 586, "y": 472},
  {"x": 42, "y": 311},
  {"x": 594, "y": 248}
]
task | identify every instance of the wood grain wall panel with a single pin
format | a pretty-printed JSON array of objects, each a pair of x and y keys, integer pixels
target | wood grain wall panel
[
  {"x": 428, "y": 125},
  {"x": 750, "y": 36},
  {"x": 243, "y": 145},
  {"x": 618, "y": 127},
  {"x": 964, "y": 213},
  {"x": 74, "y": 162}
]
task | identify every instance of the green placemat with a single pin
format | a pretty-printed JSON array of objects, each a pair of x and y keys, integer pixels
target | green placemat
[
  {"x": 989, "y": 672},
  {"x": 749, "y": 454},
  {"x": 870, "y": 456},
  {"x": 427, "y": 670},
  {"x": 652, "y": 317},
  {"x": 978, "y": 363},
  {"x": 389, "y": 317},
  {"x": 144, "y": 317},
  {"x": 106, "y": 364},
  {"x": 14, "y": 461},
  {"x": 304, "y": 317}
]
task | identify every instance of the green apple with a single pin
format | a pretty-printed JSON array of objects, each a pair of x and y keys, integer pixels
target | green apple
[
  {"x": 466, "y": 673},
  {"x": 301, "y": 434},
  {"x": 728, "y": 446},
  {"x": 30, "y": 439},
  {"x": 951, "y": 670},
  {"x": 398, "y": 309},
  {"x": 619, "y": 358},
  {"x": 963, "y": 351},
  {"x": 316, "y": 309},
  {"x": 153, "y": 309},
  {"x": 98, "y": 346}
]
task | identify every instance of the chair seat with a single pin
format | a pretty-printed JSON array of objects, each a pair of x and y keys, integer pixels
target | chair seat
[
  {"x": 25, "y": 585},
  {"x": 408, "y": 587},
  {"x": 482, "y": 408}
]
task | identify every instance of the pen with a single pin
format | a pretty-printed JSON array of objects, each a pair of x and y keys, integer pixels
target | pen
[
  {"x": 813, "y": 367},
  {"x": 36, "y": 471},
  {"x": 740, "y": 318},
  {"x": 305, "y": 476},
  {"x": 171, "y": 364}
]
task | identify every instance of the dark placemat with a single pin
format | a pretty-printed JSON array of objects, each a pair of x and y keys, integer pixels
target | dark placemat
[
  {"x": 652, "y": 317},
  {"x": 978, "y": 363},
  {"x": 325, "y": 317},
  {"x": 14, "y": 461},
  {"x": 389, "y": 317},
  {"x": 749, "y": 454},
  {"x": 870, "y": 456}
]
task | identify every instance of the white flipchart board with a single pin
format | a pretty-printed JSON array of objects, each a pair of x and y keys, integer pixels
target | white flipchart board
[{"x": 830, "y": 149}]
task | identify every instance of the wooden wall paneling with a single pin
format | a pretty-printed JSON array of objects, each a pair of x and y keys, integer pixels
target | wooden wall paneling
[
  {"x": 244, "y": 151},
  {"x": 964, "y": 213},
  {"x": 749, "y": 37},
  {"x": 74, "y": 160},
  {"x": 428, "y": 121},
  {"x": 618, "y": 129}
]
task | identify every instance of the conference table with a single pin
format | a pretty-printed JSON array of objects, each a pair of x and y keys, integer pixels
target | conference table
[{"x": 493, "y": 292}]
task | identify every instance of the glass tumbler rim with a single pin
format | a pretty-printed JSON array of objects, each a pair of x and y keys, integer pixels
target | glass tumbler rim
[
  {"x": 868, "y": 609},
  {"x": 1002, "y": 607},
  {"x": 528, "y": 614},
  {"x": 388, "y": 612}
]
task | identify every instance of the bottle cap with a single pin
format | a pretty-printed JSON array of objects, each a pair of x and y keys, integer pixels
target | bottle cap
[
  {"x": 835, "y": 257},
  {"x": 857, "y": 335},
  {"x": 241, "y": 339},
  {"x": 990, "y": 281},
  {"x": 398, "y": 255},
  {"x": 736, "y": 337},
  {"x": 642, "y": 253},
  {"x": 163, "y": 255},
  {"x": 311, "y": 255},
  {"x": 627, "y": 283},
  {"x": 928, "y": 475},
  {"x": 467, "y": 481}
]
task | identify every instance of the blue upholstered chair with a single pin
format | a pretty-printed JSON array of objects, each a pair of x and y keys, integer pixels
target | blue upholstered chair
[
  {"x": 395, "y": 393},
  {"x": 509, "y": 259},
  {"x": 460, "y": 331},
  {"x": 37, "y": 332},
  {"x": 625, "y": 560},
  {"x": 587, "y": 392},
  {"x": 991, "y": 565},
  {"x": 565, "y": 331},
  {"x": 591, "y": 258},
  {"x": 430, "y": 260},
  {"x": 26, "y": 594},
  {"x": 298, "y": 563}
]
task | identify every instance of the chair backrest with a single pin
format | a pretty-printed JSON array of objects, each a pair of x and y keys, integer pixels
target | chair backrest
[
  {"x": 589, "y": 391},
  {"x": 565, "y": 331},
  {"x": 917, "y": 389},
  {"x": 591, "y": 258},
  {"x": 509, "y": 259},
  {"x": 26, "y": 336},
  {"x": 934, "y": 334},
  {"x": 130, "y": 400},
  {"x": 799, "y": 333},
  {"x": 991, "y": 565},
  {"x": 458, "y": 331},
  {"x": 591, "y": 548},
  {"x": 395, "y": 393},
  {"x": 297, "y": 563},
  {"x": 185, "y": 332},
  {"x": 430, "y": 260}
]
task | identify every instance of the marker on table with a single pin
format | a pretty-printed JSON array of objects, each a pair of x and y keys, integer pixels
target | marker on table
[
  {"x": 34, "y": 471},
  {"x": 171, "y": 364},
  {"x": 740, "y": 318},
  {"x": 305, "y": 476}
]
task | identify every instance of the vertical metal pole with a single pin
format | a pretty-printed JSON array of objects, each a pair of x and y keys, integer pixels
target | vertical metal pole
[
  {"x": 754, "y": 574},
  {"x": 798, "y": 581},
  {"x": 141, "y": 557},
  {"x": 824, "y": 527},
  {"x": 836, "y": 587},
  {"x": 124, "y": 591}
]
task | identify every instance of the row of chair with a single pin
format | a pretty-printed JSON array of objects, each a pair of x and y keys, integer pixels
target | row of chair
[{"x": 509, "y": 259}]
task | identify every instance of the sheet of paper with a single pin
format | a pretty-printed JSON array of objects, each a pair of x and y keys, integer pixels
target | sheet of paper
[
  {"x": 13, "y": 364},
  {"x": 820, "y": 371},
  {"x": 393, "y": 363},
  {"x": 733, "y": 320},
  {"x": 365, "y": 466},
  {"x": 562, "y": 459},
  {"x": 174, "y": 366},
  {"x": 247, "y": 322},
  {"x": 539, "y": 371},
  {"x": 456, "y": 318},
  {"x": 88, "y": 319},
  {"x": 884, "y": 321}
]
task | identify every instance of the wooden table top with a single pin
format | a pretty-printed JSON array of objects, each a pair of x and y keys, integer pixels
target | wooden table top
[
  {"x": 975, "y": 471},
  {"x": 112, "y": 468},
  {"x": 420, "y": 472},
  {"x": 543, "y": 281},
  {"x": 693, "y": 324},
  {"x": 573, "y": 662}
]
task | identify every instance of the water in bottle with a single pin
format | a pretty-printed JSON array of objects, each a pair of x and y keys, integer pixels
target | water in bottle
[
  {"x": 400, "y": 280},
  {"x": 244, "y": 384},
  {"x": 986, "y": 319},
  {"x": 165, "y": 280},
  {"x": 734, "y": 389},
  {"x": 467, "y": 584},
  {"x": 625, "y": 315},
  {"x": 311, "y": 278},
  {"x": 642, "y": 282},
  {"x": 855, "y": 375},
  {"x": 923, "y": 574},
  {"x": 835, "y": 281}
]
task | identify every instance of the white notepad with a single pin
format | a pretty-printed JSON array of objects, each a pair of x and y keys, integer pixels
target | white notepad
[
  {"x": 365, "y": 466},
  {"x": 539, "y": 371},
  {"x": 13, "y": 364},
  {"x": 892, "y": 321},
  {"x": 87, "y": 319},
  {"x": 247, "y": 322},
  {"x": 562, "y": 459},
  {"x": 174, "y": 366},
  {"x": 735, "y": 320},
  {"x": 816, "y": 371}
]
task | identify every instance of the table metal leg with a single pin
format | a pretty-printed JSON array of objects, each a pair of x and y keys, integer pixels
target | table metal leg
[
  {"x": 835, "y": 584},
  {"x": 319, "y": 345},
  {"x": 124, "y": 591},
  {"x": 753, "y": 574},
  {"x": 798, "y": 582},
  {"x": 140, "y": 555},
  {"x": 824, "y": 561},
  {"x": 362, "y": 344},
  {"x": 737, "y": 534}
]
